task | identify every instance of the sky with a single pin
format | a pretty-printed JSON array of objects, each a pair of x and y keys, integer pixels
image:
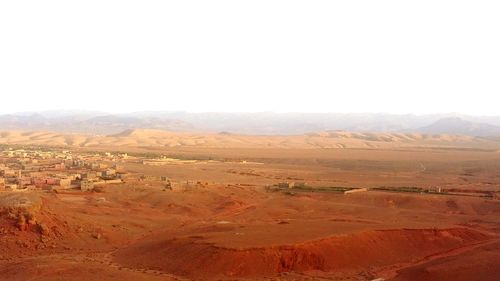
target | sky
[{"x": 244, "y": 56}]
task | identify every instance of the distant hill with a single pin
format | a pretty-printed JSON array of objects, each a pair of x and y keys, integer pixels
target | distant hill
[
  {"x": 141, "y": 138},
  {"x": 458, "y": 126},
  {"x": 260, "y": 123}
]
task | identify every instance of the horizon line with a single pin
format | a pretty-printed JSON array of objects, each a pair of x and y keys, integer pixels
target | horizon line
[{"x": 92, "y": 111}]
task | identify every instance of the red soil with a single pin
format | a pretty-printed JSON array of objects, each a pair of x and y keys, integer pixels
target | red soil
[
  {"x": 234, "y": 228},
  {"x": 480, "y": 263},
  {"x": 344, "y": 253}
]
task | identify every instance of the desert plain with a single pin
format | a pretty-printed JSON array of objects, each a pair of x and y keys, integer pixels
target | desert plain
[{"x": 325, "y": 206}]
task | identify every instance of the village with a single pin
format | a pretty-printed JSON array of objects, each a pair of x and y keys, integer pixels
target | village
[
  {"x": 36, "y": 169},
  {"x": 64, "y": 171},
  {"x": 42, "y": 169}
]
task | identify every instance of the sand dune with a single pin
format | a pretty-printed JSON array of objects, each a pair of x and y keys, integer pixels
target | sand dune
[{"x": 327, "y": 139}]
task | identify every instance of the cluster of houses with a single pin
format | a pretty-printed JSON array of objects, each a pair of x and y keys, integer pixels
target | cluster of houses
[
  {"x": 32, "y": 169},
  {"x": 22, "y": 170}
]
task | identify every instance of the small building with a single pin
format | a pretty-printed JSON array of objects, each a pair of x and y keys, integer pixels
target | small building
[
  {"x": 118, "y": 167},
  {"x": 23, "y": 181},
  {"x": 28, "y": 167},
  {"x": 114, "y": 181},
  {"x": 283, "y": 185},
  {"x": 108, "y": 173},
  {"x": 59, "y": 166},
  {"x": 78, "y": 163},
  {"x": 435, "y": 189},
  {"x": 356, "y": 190},
  {"x": 30, "y": 187},
  {"x": 89, "y": 175},
  {"x": 11, "y": 187},
  {"x": 164, "y": 178},
  {"x": 122, "y": 176},
  {"x": 168, "y": 185},
  {"x": 68, "y": 163},
  {"x": 297, "y": 184},
  {"x": 97, "y": 166},
  {"x": 175, "y": 186},
  {"x": 64, "y": 182},
  {"x": 75, "y": 176},
  {"x": 7, "y": 172},
  {"x": 86, "y": 185}
]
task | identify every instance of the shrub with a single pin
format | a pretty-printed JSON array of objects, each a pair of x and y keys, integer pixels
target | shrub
[
  {"x": 42, "y": 228},
  {"x": 21, "y": 223}
]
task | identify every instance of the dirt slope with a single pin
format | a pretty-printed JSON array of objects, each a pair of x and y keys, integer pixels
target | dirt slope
[{"x": 345, "y": 253}]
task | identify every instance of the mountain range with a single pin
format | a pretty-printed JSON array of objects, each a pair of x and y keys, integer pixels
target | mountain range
[{"x": 261, "y": 123}]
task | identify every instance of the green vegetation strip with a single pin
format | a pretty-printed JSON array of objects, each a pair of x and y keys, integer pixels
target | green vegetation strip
[{"x": 322, "y": 189}]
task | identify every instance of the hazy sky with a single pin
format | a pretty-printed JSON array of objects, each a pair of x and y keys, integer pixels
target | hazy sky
[{"x": 312, "y": 56}]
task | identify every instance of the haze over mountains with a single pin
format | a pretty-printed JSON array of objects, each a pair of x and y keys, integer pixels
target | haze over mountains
[{"x": 263, "y": 123}]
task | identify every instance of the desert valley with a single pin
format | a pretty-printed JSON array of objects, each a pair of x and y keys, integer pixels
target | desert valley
[
  {"x": 156, "y": 205},
  {"x": 249, "y": 140}
]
